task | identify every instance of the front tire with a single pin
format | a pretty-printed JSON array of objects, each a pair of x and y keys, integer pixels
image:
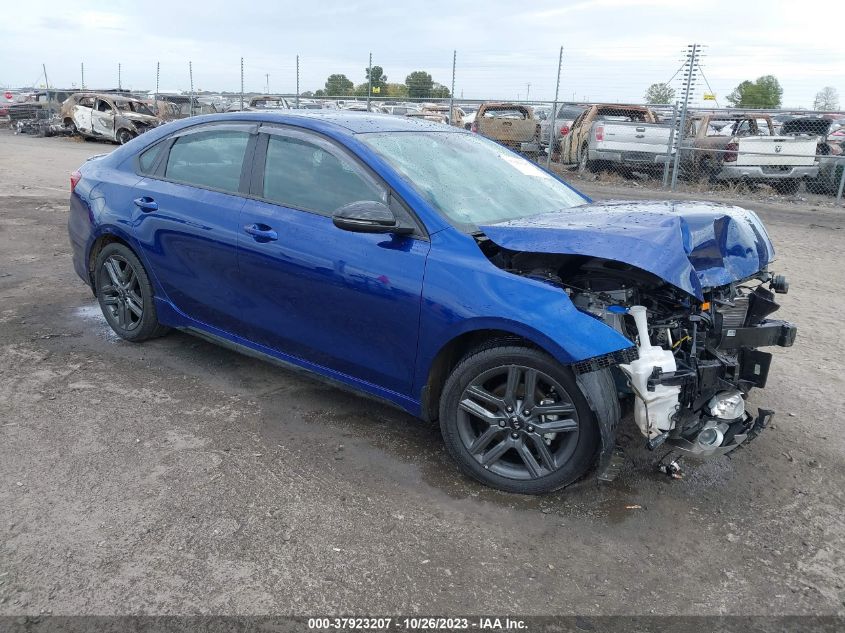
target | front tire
[
  {"x": 125, "y": 294},
  {"x": 515, "y": 419},
  {"x": 124, "y": 136}
]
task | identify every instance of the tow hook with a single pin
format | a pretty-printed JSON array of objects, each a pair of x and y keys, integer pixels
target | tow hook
[{"x": 670, "y": 467}]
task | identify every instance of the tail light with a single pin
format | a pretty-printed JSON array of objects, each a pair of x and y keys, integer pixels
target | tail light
[
  {"x": 730, "y": 152},
  {"x": 564, "y": 130},
  {"x": 474, "y": 128},
  {"x": 75, "y": 177},
  {"x": 599, "y": 132}
]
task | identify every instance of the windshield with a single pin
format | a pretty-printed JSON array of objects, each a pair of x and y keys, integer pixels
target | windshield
[
  {"x": 471, "y": 180},
  {"x": 133, "y": 106}
]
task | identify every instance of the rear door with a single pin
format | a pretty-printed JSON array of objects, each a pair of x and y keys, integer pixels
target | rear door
[
  {"x": 187, "y": 218},
  {"x": 346, "y": 301}
]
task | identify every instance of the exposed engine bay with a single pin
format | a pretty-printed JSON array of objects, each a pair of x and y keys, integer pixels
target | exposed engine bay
[{"x": 694, "y": 361}]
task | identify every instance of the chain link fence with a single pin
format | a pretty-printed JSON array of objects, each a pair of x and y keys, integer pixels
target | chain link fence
[{"x": 575, "y": 112}]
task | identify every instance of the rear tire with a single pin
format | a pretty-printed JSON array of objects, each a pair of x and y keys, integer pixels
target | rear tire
[
  {"x": 786, "y": 187},
  {"x": 548, "y": 439},
  {"x": 125, "y": 294},
  {"x": 583, "y": 159}
]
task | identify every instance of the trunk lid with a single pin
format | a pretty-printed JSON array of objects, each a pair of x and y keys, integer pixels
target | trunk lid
[{"x": 691, "y": 245}]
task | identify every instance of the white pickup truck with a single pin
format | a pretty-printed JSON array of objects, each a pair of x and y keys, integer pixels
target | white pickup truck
[
  {"x": 745, "y": 147},
  {"x": 621, "y": 135}
]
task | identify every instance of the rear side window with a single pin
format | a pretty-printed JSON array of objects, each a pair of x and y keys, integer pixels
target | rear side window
[
  {"x": 209, "y": 159},
  {"x": 302, "y": 175},
  {"x": 147, "y": 159}
]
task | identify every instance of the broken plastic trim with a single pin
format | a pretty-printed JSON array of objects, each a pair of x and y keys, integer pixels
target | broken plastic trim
[{"x": 622, "y": 356}]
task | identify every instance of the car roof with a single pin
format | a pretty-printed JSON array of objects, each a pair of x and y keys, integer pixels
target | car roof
[{"x": 342, "y": 120}]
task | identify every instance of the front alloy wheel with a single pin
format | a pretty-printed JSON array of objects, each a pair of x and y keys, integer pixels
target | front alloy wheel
[
  {"x": 517, "y": 422},
  {"x": 515, "y": 419}
]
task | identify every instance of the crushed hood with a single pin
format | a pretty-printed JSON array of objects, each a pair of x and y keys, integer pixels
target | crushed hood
[
  {"x": 691, "y": 245},
  {"x": 137, "y": 117}
]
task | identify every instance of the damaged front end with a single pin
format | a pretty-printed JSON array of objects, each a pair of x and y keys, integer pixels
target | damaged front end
[
  {"x": 696, "y": 361},
  {"x": 696, "y": 344}
]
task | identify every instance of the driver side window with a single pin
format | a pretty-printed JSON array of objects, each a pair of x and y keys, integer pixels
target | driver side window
[
  {"x": 306, "y": 176},
  {"x": 103, "y": 106}
]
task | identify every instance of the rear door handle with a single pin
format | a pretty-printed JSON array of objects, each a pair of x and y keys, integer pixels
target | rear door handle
[
  {"x": 261, "y": 232},
  {"x": 146, "y": 204}
]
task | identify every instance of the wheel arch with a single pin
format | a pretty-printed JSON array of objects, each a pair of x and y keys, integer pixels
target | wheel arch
[
  {"x": 99, "y": 243},
  {"x": 452, "y": 351}
]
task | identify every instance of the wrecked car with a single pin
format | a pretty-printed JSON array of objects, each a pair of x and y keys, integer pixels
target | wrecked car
[
  {"x": 114, "y": 117},
  {"x": 36, "y": 113},
  {"x": 617, "y": 136},
  {"x": 437, "y": 271},
  {"x": 510, "y": 124},
  {"x": 744, "y": 147},
  {"x": 169, "y": 107}
]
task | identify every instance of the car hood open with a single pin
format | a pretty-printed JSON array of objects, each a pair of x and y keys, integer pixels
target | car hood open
[{"x": 691, "y": 245}]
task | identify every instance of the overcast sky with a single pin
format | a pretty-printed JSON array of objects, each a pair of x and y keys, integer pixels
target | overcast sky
[{"x": 613, "y": 49}]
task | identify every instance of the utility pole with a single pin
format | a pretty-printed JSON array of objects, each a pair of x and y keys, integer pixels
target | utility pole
[
  {"x": 82, "y": 67},
  {"x": 369, "y": 81},
  {"x": 191, "y": 77},
  {"x": 528, "y": 91},
  {"x": 297, "y": 82},
  {"x": 692, "y": 64},
  {"x": 47, "y": 84},
  {"x": 242, "y": 83},
  {"x": 119, "y": 82},
  {"x": 267, "y": 77},
  {"x": 452, "y": 91},
  {"x": 158, "y": 75},
  {"x": 552, "y": 127}
]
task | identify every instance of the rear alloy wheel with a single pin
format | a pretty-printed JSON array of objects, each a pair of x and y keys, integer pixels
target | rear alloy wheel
[
  {"x": 124, "y": 136},
  {"x": 125, "y": 294},
  {"x": 515, "y": 419}
]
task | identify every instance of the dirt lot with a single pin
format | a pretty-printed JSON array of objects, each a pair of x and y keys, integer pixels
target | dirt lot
[{"x": 177, "y": 477}]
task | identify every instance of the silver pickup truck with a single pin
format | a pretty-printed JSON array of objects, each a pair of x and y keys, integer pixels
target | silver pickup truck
[
  {"x": 618, "y": 135},
  {"x": 740, "y": 146}
]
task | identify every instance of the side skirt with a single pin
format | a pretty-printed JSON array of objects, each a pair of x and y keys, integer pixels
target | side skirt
[{"x": 171, "y": 316}]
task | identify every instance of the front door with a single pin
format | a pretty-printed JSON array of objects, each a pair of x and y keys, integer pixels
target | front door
[
  {"x": 346, "y": 301},
  {"x": 102, "y": 119},
  {"x": 187, "y": 221}
]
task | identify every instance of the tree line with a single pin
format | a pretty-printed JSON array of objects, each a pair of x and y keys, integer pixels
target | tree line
[
  {"x": 418, "y": 85},
  {"x": 761, "y": 94}
]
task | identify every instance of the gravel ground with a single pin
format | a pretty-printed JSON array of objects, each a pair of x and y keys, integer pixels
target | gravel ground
[{"x": 176, "y": 477}]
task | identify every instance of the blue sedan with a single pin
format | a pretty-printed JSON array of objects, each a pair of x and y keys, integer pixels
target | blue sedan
[{"x": 434, "y": 269}]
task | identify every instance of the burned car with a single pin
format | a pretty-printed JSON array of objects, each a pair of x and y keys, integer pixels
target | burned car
[
  {"x": 114, "y": 117},
  {"x": 440, "y": 272}
]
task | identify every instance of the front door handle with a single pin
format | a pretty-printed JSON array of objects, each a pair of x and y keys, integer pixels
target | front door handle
[
  {"x": 146, "y": 204},
  {"x": 261, "y": 232}
]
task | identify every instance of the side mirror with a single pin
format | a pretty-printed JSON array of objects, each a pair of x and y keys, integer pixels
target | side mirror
[{"x": 368, "y": 216}]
